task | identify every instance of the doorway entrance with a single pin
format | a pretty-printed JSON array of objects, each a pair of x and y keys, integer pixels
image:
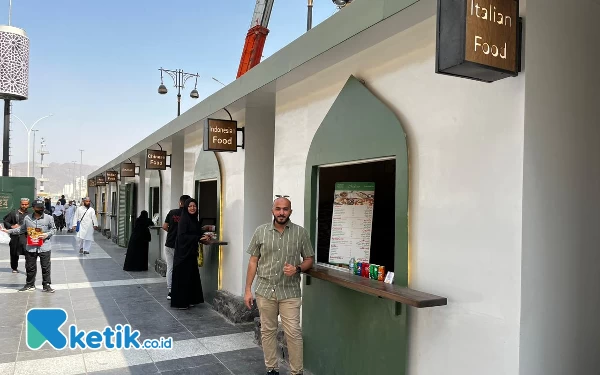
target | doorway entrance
[
  {"x": 207, "y": 191},
  {"x": 208, "y": 206}
]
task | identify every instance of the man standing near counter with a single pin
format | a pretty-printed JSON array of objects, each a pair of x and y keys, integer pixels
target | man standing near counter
[{"x": 275, "y": 251}]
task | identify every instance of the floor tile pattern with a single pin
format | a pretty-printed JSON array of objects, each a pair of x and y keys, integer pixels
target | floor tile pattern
[{"x": 96, "y": 292}]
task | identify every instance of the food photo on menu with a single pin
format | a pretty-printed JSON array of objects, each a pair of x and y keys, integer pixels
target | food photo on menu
[{"x": 353, "y": 198}]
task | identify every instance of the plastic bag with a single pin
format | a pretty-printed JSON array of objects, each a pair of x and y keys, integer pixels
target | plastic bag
[
  {"x": 4, "y": 238},
  {"x": 200, "y": 256}
]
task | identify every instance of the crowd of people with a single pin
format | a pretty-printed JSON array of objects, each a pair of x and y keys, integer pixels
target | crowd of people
[
  {"x": 184, "y": 235},
  {"x": 30, "y": 234},
  {"x": 278, "y": 292}
]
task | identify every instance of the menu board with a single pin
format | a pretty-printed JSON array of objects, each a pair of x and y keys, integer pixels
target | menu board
[{"x": 352, "y": 222}]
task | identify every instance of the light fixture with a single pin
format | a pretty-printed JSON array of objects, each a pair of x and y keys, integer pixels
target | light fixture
[
  {"x": 341, "y": 3},
  {"x": 194, "y": 94},
  {"x": 162, "y": 89}
]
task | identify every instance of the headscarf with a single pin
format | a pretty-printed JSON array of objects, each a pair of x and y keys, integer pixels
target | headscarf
[
  {"x": 143, "y": 221},
  {"x": 188, "y": 224}
]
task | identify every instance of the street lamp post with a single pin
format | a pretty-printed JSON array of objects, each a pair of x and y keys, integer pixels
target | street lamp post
[
  {"x": 338, "y": 3},
  {"x": 29, "y": 135},
  {"x": 81, "y": 173},
  {"x": 74, "y": 180},
  {"x": 33, "y": 154},
  {"x": 179, "y": 79},
  {"x": 309, "y": 16}
]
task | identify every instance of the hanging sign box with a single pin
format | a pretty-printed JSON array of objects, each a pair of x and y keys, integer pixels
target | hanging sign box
[
  {"x": 100, "y": 181},
  {"x": 112, "y": 176},
  {"x": 91, "y": 182},
  {"x": 127, "y": 170},
  {"x": 156, "y": 160},
  {"x": 220, "y": 135},
  {"x": 478, "y": 39}
]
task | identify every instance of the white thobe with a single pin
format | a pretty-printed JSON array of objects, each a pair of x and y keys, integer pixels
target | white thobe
[
  {"x": 89, "y": 221},
  {"x": 69, "y": 216},
  {"x": 58, "y": 210}
]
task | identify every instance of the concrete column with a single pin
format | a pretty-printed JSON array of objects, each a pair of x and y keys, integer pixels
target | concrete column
[
  {"x": 171, "y": 189},
  {"x": 141, "y": 188},
  {"x": 177, "y": 169},
  {"x": 258, "y": 170}
]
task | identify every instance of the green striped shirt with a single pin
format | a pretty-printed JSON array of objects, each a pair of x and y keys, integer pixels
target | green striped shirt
[{"x": 274, "y": 249}]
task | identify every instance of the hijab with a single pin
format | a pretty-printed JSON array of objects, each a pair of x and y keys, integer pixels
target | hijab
[
  {"x": 188, "y": 224},
  {"x": 143, "y": 221}
]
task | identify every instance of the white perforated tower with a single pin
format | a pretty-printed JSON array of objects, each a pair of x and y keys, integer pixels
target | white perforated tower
[
  {"x": 14, "y": 63},
  {"x": 14, "y": 76}
]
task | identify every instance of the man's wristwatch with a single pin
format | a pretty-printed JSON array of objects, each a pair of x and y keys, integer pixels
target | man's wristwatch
[{"x": 298, "y": 269}]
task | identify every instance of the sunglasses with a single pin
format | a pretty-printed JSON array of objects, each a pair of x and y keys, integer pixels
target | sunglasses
[{"x": 282, "y": 196}]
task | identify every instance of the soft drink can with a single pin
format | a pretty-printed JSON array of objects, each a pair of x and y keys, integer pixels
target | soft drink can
[
  {"x": 381, "y": 273},
  {"x": 365, "y": 270},
  {"x": 358, "y": 268},
  {"x": 371, "y": 271},
  {"x": 375, "y": 270}
]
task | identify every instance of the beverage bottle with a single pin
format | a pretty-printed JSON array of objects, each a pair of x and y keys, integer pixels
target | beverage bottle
[{"x": 351, "y": 265}]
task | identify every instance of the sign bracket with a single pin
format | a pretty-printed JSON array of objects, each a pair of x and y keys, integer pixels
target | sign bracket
[{"x": 243, "y": 130}]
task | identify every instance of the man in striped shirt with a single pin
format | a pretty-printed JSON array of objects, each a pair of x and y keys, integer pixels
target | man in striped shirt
[{"x": 275, "y": 251}]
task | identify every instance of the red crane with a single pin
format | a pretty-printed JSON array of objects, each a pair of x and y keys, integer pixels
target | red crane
[{"x": 256, "y": 37}]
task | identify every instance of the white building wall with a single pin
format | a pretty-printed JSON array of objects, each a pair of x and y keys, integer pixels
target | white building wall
[
  {"x": 232, "y": 165},
  {"x": 466, "y": 163},
  {"x": 560, "y": 328}
]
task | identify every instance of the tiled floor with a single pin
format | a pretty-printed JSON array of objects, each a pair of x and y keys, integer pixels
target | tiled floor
[{"x": 96, "y": 292}]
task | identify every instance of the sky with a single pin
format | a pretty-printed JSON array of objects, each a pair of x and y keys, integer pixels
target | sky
[{"x": 94, "y": 65}]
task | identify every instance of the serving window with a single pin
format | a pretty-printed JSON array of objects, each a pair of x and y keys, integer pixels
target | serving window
[{"x": 356, "y": 213}]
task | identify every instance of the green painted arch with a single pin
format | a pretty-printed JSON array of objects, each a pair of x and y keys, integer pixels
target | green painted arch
[
  {"x": 347, "y": 332},
  {"x": 360, "y": 127}
]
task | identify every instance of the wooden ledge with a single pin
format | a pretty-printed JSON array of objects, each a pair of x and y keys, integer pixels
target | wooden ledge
[
  {"x": 219, "y": 243},
  {"x": 392, "y": 292}
]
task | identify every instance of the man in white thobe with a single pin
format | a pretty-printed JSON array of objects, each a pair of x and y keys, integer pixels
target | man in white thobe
[
  {"x": 69, "y": 214},
  {"x": 86, "y": 217}
]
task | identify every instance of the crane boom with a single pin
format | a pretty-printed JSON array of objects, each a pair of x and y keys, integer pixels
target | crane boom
[{"x": 256, "y": 37}]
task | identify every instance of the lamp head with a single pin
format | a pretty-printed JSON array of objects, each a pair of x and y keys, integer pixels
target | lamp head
[
  {"x": 194, "y": 94},
  {"x": 341, "y": 3},
  {"x": 162, "y": 89}
]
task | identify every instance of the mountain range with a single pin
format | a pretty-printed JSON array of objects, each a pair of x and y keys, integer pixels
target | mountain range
[{"x": 58, "y": 174}]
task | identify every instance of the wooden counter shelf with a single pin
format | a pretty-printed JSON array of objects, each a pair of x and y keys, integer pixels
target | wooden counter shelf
[
  {"x": 380, "y": 289},
  {"x": 219, "y": 243}
]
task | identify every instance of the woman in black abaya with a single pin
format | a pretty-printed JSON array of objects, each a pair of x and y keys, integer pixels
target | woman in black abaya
[
  {"x": 137, "y": 250},
  {"x": 186, "y": 288}
]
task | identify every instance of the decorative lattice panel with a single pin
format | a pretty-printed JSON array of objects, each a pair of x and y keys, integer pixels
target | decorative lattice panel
[{"x": 14, "y": 63}]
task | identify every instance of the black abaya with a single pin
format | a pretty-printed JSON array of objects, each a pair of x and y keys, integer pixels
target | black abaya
[
  {"x": 137, "y": 250},
  {"x": 186, "y": 288}
]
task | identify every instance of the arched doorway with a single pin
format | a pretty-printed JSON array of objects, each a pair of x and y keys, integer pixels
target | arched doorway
[
  {"x": 207, "y": 191},
  {"x": 360, "y": 141}
]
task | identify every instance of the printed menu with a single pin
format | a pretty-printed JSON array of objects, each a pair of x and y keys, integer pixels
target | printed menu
[{"x": 352, "y": 222}]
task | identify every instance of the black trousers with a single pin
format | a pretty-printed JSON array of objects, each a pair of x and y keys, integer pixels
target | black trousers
[
  {"x": 17, "y": 247},
  {"x": 59, "y": 221},
  {"x": 31, "y": 267}
]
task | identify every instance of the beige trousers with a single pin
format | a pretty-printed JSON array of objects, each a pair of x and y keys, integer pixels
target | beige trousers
[{"x": 289, "y": 310}]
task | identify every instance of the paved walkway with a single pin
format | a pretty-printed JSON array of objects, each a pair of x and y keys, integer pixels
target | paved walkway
[{"x": 96, "y": 292}]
